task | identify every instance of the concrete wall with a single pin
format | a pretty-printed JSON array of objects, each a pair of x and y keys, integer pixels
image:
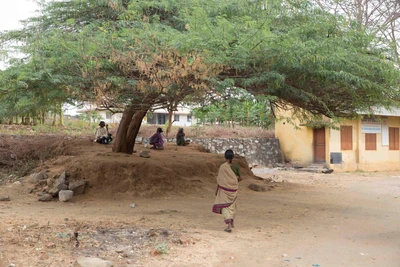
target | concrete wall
[
  {"x": 296, "y": 142},
  {"x": 258, "y": 151},
  {"x": 381, "y": 159},
  {"x": 297, "y": 147},
  {"x": 349, "y": 157}
]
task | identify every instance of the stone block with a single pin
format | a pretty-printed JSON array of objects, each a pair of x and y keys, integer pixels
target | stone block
[
  {"x": 65, "y": 195},
  {"x": 45, "y": 198},
  {"x": 78, "y": 187},
  {"x": 257, "y": 187},
  {"x": 36, "y": 177}
]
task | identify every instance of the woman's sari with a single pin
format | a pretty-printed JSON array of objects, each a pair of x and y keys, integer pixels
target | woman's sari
[{"x": 225, "y": 200}]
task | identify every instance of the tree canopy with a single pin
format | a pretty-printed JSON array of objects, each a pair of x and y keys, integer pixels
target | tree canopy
[{"x": 137, "y": 54}]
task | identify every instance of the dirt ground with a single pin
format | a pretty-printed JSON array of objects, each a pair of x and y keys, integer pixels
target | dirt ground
[{"x": 309, "y": 219}]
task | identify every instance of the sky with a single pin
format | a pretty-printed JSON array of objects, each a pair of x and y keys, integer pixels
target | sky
[{"x": 12, "y": 11}]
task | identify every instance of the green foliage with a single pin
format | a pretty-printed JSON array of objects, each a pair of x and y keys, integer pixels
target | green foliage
[
  {"x": 143, "y": 53},
  {"x": 235, "y": 107}
]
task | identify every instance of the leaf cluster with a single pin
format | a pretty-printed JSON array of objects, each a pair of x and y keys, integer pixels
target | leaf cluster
[{"x": 137, "y": 54}]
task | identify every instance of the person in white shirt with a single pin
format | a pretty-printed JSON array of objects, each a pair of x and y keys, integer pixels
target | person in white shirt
[{"x": 102, "y": 135}]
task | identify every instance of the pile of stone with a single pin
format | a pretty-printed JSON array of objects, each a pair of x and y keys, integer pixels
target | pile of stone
[{"x": 48, "y": 188}]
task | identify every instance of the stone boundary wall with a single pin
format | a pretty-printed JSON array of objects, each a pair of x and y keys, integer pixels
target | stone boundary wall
[{"x": 258, "y": 151}]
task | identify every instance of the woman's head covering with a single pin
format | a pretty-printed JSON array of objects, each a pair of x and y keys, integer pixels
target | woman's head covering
[
  {"x": 159, "y": 130},
  {"x": 102, "y": 124}
]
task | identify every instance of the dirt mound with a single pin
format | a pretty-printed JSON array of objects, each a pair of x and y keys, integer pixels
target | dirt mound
[
  {"x": 174, "y": 170},
  {"x": 21, "y": 153}
]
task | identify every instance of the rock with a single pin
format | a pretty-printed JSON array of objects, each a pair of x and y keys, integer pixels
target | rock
[
  {"x": 59, "y": 185},
  {"x": 123, "y": 249},
  {"x": 61, "y": 180},
  {"x": 41, "y": 183},
  {"x": 145, "y": 154},
  {"x": 94, "y": 262},
  {"x": 44, "y": 256},
  {"x": 30, "y": 189},
  {"x": 7, "y": 198},
  {"x": 183, "y": 240},
  {"x": 36, "y": 177},
  {"x": 45, "y": 197},
  {"x": 327, "y": 171},
  {"x": 257, "y": 187},
  {"x": 51, "y": 245},
  {"x": 17, "y": 183},
  {"x": 155, "y": 252},
  {"x": 50, "y": 181},
  {"x": 54, "y": 191},
  {"x": 78, "y": 187},
  {"x": 65, "y": 195}
]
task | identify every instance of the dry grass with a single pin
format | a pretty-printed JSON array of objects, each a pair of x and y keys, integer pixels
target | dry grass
[
  {"x": 79, "y": 128},
  {"x": 211, "y": 131}
]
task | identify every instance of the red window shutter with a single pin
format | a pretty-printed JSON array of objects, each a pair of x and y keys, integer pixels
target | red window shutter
[
  {"x": 346, "y": 137},
  {"x": 370, "y": 141}
]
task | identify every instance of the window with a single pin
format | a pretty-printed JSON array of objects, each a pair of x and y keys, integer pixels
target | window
[
  {"x": 151, "y": 118},
  {"x": 162, "y": 118},
  {"x": 370, "y": 141},
  {"x": 346, "y": 137},
  {"x": 108, "y": 115},
  {"x": 176, "y": 117},
  {"x": 394, "y": 138},
  {"x": 189, "y": 118}
]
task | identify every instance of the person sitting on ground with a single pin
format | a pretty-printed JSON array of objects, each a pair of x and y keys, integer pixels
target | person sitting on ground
[
  {"x": 102, "y": 135},
  {"x": 180, "y": 138},
  {"x": 157, "y": 140}
]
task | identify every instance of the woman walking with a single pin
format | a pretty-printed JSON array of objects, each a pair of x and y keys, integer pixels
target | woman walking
[{"x": 228, "y": 184}]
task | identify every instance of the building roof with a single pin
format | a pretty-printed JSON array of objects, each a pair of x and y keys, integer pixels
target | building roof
[{"x": 381, "y": 111}]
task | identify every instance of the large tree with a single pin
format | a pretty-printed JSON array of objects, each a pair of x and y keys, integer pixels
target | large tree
[{"x": 137, "y": 54}]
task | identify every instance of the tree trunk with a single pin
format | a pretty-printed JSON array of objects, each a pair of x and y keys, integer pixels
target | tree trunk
[
  {"x": 133, "y": 130},
  {"x": 61, "y": 116},
  {"x": 43, "y": 114},
  {"x": 54, "y": 119},
  {"x": 121, "y": 135},
  {"x": 170, "y": 113}
]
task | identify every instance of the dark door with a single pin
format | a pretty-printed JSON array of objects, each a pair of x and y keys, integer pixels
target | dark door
[{"x": 319, "y": 145}]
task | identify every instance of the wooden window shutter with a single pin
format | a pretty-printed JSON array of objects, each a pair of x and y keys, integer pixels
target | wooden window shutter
[
  {"x": 346, "y": 137},
  {"x": 394, "y": 138},
  {"x": 370, "y": 141}
]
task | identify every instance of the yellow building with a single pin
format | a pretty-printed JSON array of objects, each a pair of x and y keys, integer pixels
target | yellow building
[{"x": 365, "y": 144}]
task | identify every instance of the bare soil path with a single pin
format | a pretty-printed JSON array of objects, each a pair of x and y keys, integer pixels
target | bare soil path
[{"x": 308, "y": 220}]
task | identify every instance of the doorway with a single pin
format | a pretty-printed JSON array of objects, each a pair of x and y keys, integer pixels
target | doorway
[{"x": 319, "y": 145}]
